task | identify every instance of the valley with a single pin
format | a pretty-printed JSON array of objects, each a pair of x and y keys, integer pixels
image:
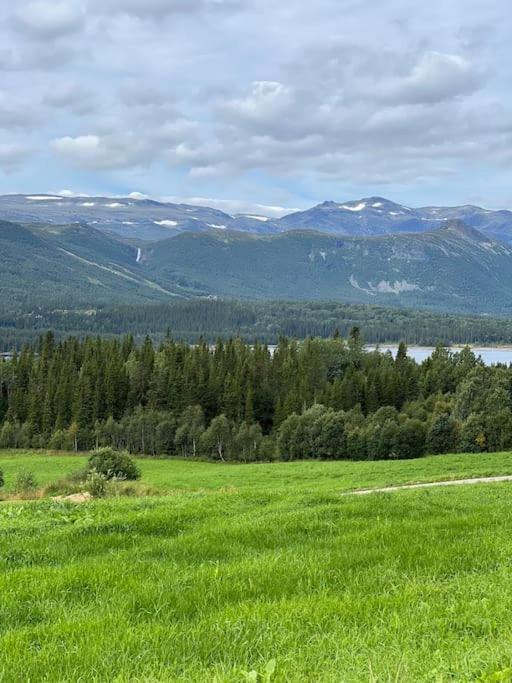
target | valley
[
  {"x": 255, "y": 342},
  {"x": 451, "y": 268}
]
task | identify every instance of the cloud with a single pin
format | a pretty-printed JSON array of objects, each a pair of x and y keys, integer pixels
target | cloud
[
  {"x": 117, "y": 149},
  {"x": 291, "y": 100},
  {"x": 156, "y": 9},
  {"x": 13, "y": 156},
  {"x": 433, "y": 78},
  {"x": 70, "y": 96},
  {"x": 101, "y": 153},
  {"x": 47, "y": 19},
  {"x": 266, "y": 101},
  {"x": 136, "y": 94},
  {"x": 68, "y": 194},
  {"x": 15, "y": 113},
  {"x": 233, "y": 206}
]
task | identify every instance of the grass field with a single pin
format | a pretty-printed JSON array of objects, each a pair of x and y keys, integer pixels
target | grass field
[
  {"x": 307, "y": 476},
  {"x": 243, "y": 565}
]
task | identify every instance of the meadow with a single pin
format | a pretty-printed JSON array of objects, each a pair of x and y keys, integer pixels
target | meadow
[{"x": 260, "y": 573}]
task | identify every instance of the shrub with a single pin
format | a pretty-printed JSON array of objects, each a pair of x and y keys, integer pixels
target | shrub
[
  {"x": 113, "y": 464},
  {"x": 97, "y": 484},
  {"x": 25, "y": 481}
]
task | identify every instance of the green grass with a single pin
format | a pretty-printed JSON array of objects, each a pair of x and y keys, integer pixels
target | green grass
[
  {"x": 307, "y": 476},
  {"x": 241, "y": 565}
]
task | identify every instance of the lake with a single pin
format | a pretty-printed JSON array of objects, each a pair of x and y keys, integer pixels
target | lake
[{"x": 489, "y": 354}]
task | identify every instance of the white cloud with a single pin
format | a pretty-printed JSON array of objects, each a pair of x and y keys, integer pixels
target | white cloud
[
  {"x": 277, "y": 101},
  {"x": 101, "y": 152},
  {"x": 433, "y": 78},
  {"x": 47, "y": 19},
  {"x": 233, "y": 206},
  {"x": 266, "y": 101},
  {"x": 69, "y": 194}
]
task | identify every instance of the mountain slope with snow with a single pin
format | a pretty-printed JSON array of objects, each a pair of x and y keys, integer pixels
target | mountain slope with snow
[
  {"x": 379, "y": 216},
  {"x": 130, "y": 218},
  {"x": 145, "y": 220}
]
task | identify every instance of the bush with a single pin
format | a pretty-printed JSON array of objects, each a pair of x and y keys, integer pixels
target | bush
[
  {"x": 97, "y": 484},
  {"x": 2, "y": 480},
  {"x": 25, "y": 482},
  {"x": 113, "y": 464}
]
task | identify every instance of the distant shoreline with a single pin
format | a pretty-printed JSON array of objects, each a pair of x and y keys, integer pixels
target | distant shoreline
[{"x": 394, "y": 344}]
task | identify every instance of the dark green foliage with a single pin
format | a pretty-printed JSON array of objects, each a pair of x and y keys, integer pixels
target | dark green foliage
[
  {"x": 442, "y": 434},
  {"x": 2, "y": 480},
  {"x": 322, "y": 398},
  {"x": 191, "y": 320},
  {"x": 453, "y": 261},
  {"x": 113, "y": 464},
  {"x": 410, "y": 439}
]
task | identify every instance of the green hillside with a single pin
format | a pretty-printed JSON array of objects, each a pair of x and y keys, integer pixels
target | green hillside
[
  {"x": 452, "y": 268},
  {"x": 261, "y": 573},
  {"x": 69, "y": 262}
]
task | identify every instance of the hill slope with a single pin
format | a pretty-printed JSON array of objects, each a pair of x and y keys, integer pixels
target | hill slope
[
  {"x": 72, "y": 263},
  {"x": 451, "y": 268}
]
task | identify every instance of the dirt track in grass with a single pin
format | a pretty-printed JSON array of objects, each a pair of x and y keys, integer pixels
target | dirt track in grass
[{"x": 431, "y": 484}]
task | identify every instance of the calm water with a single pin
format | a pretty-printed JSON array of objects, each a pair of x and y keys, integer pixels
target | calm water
[{"x": 489, "y": 354}]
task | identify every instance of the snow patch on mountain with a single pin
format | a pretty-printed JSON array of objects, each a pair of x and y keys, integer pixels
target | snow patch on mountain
[
  {"x": 396, "y": 287},
  {"x": 357, "y": 207},
  {"x": 166, "y": 223},
  {"x": 385, "y": 287}
]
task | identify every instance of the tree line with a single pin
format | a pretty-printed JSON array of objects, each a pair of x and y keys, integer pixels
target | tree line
[
  {"x": 321, "y": 398},
  {"x": 191, "y": 320}
]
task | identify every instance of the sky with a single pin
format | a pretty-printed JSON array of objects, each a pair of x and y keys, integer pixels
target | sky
[{"x": 267, "y": 105}]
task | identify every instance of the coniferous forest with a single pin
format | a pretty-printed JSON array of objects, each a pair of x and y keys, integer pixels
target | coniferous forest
[
  {"x": 266, "y": 321},
  {"x": 327, "y": 399}
]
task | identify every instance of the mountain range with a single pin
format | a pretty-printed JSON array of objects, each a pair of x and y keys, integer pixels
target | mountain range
[
  {"x": 144, "y": 220},
  {"x": 454, "y": 267}
]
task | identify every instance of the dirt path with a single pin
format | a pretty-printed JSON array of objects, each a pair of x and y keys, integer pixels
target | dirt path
[{"x": 430, "y": 484}]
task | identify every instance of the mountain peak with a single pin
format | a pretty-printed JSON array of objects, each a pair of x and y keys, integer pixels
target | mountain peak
[{"x": 462, "y": 229}]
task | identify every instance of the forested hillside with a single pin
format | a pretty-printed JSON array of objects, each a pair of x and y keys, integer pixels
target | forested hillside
[
  {"x": 454, "y": 268},
  {"x": 317, "y": 399},
  {"x": 74, "y": 263}
]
